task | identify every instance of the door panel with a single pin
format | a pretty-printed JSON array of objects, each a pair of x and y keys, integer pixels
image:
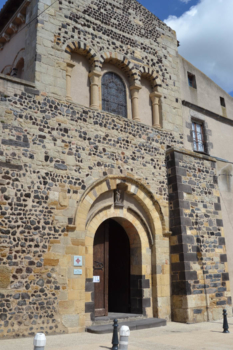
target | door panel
[
  {"x": 113, "y": 291},
  {"x": 100, "y": 268},
  {"x": 119, "y": 269}
]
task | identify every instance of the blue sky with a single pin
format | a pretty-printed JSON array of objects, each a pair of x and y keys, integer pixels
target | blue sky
[
  {"x": 160, "y": 8},
  {"x": 203, "y": 28},
  {"x": 165, "y": 8},
  {"x": 2, "y": 2}
]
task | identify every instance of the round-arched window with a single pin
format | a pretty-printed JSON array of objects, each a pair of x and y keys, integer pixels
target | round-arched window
[{"x": 113, "y": 94}]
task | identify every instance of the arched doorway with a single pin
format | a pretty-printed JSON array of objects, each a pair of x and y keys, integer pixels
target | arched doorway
[{"x": 114, "y": 288}]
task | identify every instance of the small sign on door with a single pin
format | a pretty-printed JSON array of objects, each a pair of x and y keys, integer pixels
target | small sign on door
[{"x": 96, "y": 279}]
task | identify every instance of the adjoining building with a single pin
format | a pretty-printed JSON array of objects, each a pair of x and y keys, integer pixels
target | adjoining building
[{"x": 115, "y": 178}]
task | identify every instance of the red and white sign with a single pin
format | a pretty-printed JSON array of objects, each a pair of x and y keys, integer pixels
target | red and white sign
[{"x": 78, "y": 260}]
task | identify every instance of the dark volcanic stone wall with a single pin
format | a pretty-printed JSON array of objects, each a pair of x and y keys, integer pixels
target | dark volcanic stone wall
[
  {"x": 50, "y": 153},
  {"x": 198, "y": 255}
]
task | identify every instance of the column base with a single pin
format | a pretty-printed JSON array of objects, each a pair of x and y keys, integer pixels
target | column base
[
  {"x": 157, "y": 126},
  {"x": 95, "y": 107}
]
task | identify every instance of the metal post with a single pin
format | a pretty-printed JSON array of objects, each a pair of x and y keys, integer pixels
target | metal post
[
  {"x": 124, "y": 338},
  {"x": 225, "y": 323},
  {"x": 39, "y": 341},
  {"x": 115, "y": 336}
]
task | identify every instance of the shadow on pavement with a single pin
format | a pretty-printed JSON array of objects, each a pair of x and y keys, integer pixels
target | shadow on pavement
[{"x": 217, "y": 331}]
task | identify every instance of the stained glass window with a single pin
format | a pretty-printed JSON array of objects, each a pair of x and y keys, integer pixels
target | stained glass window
[{"x": 113, "y": 94}]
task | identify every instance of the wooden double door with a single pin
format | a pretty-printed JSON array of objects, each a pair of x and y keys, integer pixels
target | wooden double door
[{"x": 111, "y": 269}]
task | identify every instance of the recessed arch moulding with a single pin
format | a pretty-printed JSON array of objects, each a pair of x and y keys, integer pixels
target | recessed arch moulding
[
  {"x": 17, "y": 65},
  {"x": 133, "y": 76},
  {"x": 97, "y": 59},
  {"x": 145, "y": 220}
]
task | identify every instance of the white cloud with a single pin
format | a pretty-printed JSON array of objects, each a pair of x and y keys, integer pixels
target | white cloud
[{"x": 205, "y": 33}]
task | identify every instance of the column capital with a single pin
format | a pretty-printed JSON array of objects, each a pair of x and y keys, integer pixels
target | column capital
[
  {"x": 94, "y": 77},
  {"x": 70, "y": 64},
  {"x": 95, "y": 73},
  {"x": 135, "y": 87},
  {"x": 155, "y": 94}
]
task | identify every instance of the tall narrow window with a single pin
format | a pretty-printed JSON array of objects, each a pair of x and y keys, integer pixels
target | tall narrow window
[
  {"x": 198, "y": 137},
  {"x": 113, "y": 94},
  {"x": 192, "y": 80},
  {"x": 222, "y": 102}
]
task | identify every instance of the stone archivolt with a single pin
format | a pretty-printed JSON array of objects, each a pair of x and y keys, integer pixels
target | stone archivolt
[
  {"x": 134, "y": 75},
  {"x": 19, "y": 57},
  {"x": 145, "y": 223},
  {"x": 83, "y": 49},
  {"x": 136, "y": 189}
]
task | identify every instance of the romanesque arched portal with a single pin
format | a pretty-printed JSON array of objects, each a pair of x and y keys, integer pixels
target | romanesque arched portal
[{"x": 132, "y": 206}]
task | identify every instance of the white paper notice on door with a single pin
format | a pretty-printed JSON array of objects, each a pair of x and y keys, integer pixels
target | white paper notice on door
[{"x": 96, "y": 279}]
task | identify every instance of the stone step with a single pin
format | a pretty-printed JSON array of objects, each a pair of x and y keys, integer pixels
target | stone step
[
  {"x": 133, "y": 325},
  {"x": 104, "y": 320}
]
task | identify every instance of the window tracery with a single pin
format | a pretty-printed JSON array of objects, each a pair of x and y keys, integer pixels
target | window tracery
[{"x": 114, "y": 94}]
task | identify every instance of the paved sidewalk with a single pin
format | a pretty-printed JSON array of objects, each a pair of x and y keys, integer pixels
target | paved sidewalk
[{"x": 175, "y": 336}]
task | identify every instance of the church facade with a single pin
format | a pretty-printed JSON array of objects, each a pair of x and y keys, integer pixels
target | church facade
[{"x": 110, "y": 195}]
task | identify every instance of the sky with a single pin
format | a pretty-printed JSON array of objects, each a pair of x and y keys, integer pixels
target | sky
[{"x": 204, "y": 29}]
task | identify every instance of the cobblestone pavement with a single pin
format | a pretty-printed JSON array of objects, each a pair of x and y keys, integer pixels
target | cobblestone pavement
[{"x": 176, "y": 336}]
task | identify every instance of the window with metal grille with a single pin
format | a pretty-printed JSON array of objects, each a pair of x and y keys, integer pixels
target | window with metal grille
[
  {"x": 198, "y": 136},
  {"x": 113, "y": 94}
]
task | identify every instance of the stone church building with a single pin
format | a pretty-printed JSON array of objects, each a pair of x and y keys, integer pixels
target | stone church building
[{"x": 115, "y": 179}]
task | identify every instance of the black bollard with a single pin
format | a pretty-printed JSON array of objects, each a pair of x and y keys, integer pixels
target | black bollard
[
  {"x": 115, "y": 336},
  {"x": 225, "y": 323}
]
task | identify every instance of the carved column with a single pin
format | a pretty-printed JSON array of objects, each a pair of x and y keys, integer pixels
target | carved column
[
  {"x": 155, "y": 99},
  {"x": 69, "y": 67},
  {"x": 134, "y": 96},
  {"x": 95, "y": 81}
]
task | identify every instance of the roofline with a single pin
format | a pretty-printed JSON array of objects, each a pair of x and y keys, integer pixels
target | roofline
[
  {"x": 14, "y": 15},
  {"x": 7, "y": 6},
  {"x": 205, "y": 76}
]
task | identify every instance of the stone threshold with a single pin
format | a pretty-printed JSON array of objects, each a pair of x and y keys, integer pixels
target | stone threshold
[
  {"x": 100, "y": 320},
  {"x": 133, "y": 325},
  {"x": 113, "y": 315}
]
